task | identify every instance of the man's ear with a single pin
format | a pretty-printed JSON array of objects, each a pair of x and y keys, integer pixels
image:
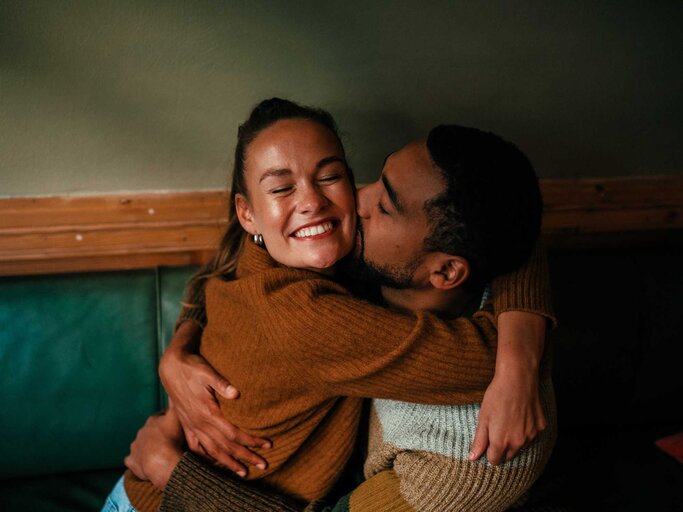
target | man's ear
[
  {"x": 244, "y": 214},
  {"x": 449, "y": 272}
]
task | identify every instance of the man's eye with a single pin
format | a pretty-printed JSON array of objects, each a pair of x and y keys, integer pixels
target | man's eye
[{"x": 381, "y": 209}]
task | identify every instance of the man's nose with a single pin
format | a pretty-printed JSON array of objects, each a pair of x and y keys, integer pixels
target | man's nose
[{"x": 312, "y": 200}]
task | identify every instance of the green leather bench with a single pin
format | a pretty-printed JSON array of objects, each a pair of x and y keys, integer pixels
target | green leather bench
[
  {"x": 78, "y": 358},
  {"x": 78, "y": 373}
]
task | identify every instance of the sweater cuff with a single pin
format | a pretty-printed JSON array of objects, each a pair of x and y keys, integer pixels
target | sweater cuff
[
  {"x": 198, "y": 486},
  {"x": 196, "y": 314},
  {"x": 194, "y": 305},
  {"x": 141, "y": 493},
  {"x": 526, "y": 288}
]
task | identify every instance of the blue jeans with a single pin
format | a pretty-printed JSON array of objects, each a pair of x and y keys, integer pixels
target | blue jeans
[{"x": 118, "y": 501}]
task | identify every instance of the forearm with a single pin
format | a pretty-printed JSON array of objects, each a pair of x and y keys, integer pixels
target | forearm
[
  {"x": 523, "y": 303},
  {"x": 521, "y": 341},
  {"x": 511, "y": 413},
  {"x": 185, "y": 341},
  {"x": 194, "y": 301}
]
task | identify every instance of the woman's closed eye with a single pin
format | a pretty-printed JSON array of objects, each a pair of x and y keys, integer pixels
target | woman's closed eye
[
  {"x": 331, "y": 178},
  {"x": 281, "y": 190}
]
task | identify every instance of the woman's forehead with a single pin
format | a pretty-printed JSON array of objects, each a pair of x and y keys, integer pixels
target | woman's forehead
[{"x": 292, "y": 143}]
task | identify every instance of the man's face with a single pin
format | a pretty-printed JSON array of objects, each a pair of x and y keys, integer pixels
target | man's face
[{"x": 392, "y": 221}]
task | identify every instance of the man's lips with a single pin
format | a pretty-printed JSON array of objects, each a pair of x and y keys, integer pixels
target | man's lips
[{"x": 316, "y": 230}]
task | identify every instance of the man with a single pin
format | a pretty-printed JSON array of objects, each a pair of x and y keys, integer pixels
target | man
[{"x": 447, "y": 215}]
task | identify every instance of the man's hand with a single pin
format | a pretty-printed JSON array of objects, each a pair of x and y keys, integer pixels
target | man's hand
[
  {"x": 156, "y": 450},
  {"x": 511, "y": 414},
  {"x": 191, "y": 384}
]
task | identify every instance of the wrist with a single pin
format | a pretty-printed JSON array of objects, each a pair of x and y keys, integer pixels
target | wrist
[
  {"x": 525, "y": 368},
  {"x": 184, "y": 343},
  {"x": 186, "y": 338},
  {"x": 165, "y": 463},
  {"x": 166, "y": 364}
]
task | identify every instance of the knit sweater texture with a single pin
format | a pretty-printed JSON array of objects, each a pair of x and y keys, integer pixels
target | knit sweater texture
[
  {"x": 426, "y": 447},
  {"x": 303, "y": 352},
  {"x": 221, "y": 491}
]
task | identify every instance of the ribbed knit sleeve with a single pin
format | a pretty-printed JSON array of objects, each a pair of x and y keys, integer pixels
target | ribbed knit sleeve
[
  {"x": 302, "y": 351},
  {"x": 195, "y": 485},
  {"x": 194, "y": 304},
  {"x": 527, "y": 288},
  {"x": 353, "y": 348},
  {"x": 141, "y": 493}
]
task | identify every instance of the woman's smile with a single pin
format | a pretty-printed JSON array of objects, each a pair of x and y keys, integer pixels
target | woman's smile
[
  {"x": 316, "y": 231},
  {"x": 301, "y": 198}
]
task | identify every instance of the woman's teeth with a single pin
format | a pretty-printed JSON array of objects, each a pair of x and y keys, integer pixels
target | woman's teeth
[{"x": 313, "y": 230}]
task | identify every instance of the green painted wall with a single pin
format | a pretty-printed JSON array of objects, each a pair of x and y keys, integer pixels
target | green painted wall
[{"x": 104, "y": 96}]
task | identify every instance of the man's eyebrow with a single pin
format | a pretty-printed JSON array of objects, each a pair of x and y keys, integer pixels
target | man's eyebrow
[
  {"x": 392, "y": 194},
  {"x": 270, "y": 173}
]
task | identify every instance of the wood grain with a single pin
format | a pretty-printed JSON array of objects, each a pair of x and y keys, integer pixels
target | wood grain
[
  {"x": 40, "y": 235},
  {"x": 86, "y": 233}
]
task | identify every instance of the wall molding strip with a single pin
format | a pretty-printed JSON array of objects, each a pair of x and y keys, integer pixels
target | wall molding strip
[{"x": 41, "y": 235}]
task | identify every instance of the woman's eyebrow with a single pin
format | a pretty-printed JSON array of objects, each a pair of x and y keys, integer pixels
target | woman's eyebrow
[
  {"x": 275, "y": 173},
  {"x": 270, "y": 173},
  {"x": 329, "y": 160}
]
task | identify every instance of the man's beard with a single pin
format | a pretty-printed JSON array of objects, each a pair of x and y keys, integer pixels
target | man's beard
[{"x": 391, "y": 276}]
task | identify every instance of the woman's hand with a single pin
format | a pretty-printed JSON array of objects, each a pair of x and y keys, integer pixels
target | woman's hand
[
  {"x": 192, "y": 384},
  {"x": 156, "y": 450},
  {"x": 511, "y": 414}
]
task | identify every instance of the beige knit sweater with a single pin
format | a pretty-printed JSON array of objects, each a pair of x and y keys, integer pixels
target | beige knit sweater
[{"x": 426, "y": 446}]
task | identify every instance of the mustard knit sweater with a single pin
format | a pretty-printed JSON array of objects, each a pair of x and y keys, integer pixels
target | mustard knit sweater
[
  {"x": 303, "y": 351},
  {"x": 420, "y": 479}
]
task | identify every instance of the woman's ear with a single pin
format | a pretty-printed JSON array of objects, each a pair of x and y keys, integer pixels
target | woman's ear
[
  {"x": 244, "y": 214},
  {"x": 450, "y": 272}
]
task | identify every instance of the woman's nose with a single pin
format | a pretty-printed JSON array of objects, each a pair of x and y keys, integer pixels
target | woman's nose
[{"x": 312, "y": 200}]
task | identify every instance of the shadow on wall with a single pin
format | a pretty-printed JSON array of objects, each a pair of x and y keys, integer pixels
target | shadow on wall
[{"x": 391, "y": 130}]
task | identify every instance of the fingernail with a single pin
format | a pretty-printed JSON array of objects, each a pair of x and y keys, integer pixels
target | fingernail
[
  {"x": 231, "y": 390},
  {"x": 470, "y": 455},
  {"x": 261, "y": 465},
  {"x": 242, "y": 473},
  {"x": 267, "y": 445}
]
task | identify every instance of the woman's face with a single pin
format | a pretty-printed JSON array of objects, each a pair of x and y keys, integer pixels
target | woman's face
[{"x": 300, "y": 197}]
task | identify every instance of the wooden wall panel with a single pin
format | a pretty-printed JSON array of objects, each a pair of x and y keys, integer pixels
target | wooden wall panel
[{"x": 86, "y": 233}]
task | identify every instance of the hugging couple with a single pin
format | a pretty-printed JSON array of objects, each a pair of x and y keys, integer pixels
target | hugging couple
[{"x": 425, "y": 291}]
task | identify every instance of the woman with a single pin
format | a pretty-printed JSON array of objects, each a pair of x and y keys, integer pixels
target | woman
[{"x": 293, "y": 191}]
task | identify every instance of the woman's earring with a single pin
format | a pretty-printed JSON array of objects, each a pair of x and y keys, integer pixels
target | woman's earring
[{"x": 258, "y": 239}]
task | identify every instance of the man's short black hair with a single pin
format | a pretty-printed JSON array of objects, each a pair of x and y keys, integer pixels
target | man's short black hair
[{"x": 490, "y": 212}]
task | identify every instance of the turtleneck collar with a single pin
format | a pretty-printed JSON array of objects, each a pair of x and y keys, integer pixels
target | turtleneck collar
[{"x": 254, "y": 259}]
